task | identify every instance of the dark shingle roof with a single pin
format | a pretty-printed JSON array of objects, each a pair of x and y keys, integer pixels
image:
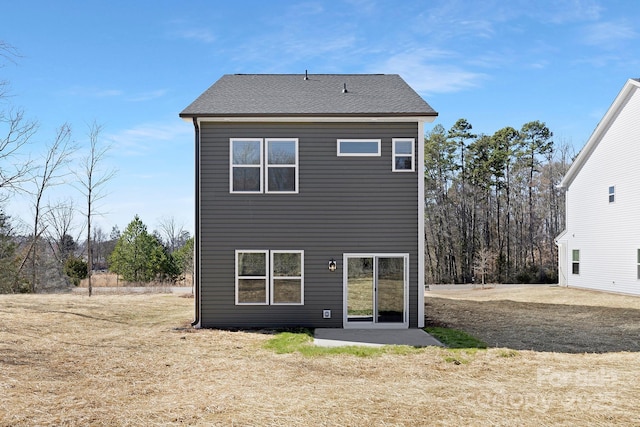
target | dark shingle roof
[{"x": 320, "y": 95}]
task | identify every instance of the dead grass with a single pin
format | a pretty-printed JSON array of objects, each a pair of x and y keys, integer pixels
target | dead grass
[
  {"x": 105, "y": 279},
  {"x": 130, "y": 360},
  {"x": 541, "y": 318}
]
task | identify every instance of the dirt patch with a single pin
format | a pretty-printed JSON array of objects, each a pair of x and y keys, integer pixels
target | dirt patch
[{"x": 572, "y": 321}]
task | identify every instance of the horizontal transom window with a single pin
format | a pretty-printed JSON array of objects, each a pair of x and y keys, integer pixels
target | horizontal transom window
[{"x": 358, "y": 147}]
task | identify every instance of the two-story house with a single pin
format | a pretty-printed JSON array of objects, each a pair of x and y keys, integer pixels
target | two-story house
[
  {"x": 309, "y": 201},
  {"x": 600, "y": 246}
]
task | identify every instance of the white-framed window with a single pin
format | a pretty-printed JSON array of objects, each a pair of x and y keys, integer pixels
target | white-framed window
[
  {"x": 282, "y": 165},
  {"x": 638, "y": 262},
  {"x": 258, "y": 165},
  {"x": 266, "y": 277},
  {"x": 575, "y": 261},
  {"x": 612, "y": 193},
  {"x": 287, "y": 277},
  {"x": 245, "y": 165},
  {"x": 359, "y": 147},
  {"x": 251, "y": 276},
  {"x": 403, "y": 155}
]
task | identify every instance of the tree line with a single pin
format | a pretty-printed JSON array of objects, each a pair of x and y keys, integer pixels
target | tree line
[
  {"x": 46, "y": 251},
  {"x": 492, "y": 206}
]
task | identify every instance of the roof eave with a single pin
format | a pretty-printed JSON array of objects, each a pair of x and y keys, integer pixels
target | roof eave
[
  {"x": 599, "y": 132},
  {"x": 427, "y": 117}
]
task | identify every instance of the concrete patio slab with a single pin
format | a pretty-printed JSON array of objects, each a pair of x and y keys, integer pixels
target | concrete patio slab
[{"x": 336, "y": 337}]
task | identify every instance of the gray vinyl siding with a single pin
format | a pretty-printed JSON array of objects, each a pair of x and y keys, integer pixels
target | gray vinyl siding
[{"x": 344, "y": 205}]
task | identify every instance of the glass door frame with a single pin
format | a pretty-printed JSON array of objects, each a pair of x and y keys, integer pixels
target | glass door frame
[{"x": 373, "y": 324}]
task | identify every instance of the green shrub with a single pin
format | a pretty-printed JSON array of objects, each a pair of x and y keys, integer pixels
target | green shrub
[{"x": 76, "y": 269}]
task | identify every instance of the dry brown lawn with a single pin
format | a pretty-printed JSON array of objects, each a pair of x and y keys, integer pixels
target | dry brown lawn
[
  {"x": 541, "y": 318},
  {"x": 132, "y": 360}
]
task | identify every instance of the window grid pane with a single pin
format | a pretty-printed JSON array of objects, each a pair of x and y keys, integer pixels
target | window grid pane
[
  {"x": 287, "y": 291},
  {"x": 281, "y": 179},
  {"x": 246, "y": 152},
  {"x": 252, "y": 291},
  {"x": 282, "y": 152},
  {"x": 246, "y": 178}
]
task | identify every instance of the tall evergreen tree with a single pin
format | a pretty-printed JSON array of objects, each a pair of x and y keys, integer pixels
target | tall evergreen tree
[{"x": 139, "y": 257}]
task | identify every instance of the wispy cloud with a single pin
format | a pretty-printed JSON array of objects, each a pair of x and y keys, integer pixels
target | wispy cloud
[
  {"x": 564, "y": 11},
  {"x": 147, "y": 96},
  {"x": 93, "y": 92},
  {"x": 609, "y": 34},
  {"x": 427, "y": 75},
  {"x": 203, "y": 35},
  {"x": 144, "y": 138}
]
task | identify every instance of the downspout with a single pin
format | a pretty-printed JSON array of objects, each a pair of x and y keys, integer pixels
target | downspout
[{"x": 196, "y": 237}]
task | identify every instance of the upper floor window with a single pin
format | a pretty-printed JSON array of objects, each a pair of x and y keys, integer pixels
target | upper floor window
[
  {"x": 282, "y": 165},
  {"x": 612, "y": 194},
  {"x": 358, "y": 147},
  {"x": 256, "y": 163},
  {"x": 246, "y": 165},
  {"x": 403, "y": 154}
]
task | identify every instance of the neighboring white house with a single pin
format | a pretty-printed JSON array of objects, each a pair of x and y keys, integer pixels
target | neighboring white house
[{"x": 600, "y": 247}]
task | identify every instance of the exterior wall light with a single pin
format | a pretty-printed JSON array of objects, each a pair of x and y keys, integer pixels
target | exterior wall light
[{"x": 332, "y": 265}]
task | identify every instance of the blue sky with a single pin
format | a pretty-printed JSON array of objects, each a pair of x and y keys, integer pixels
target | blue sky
[{"x": 132, "y": 66}]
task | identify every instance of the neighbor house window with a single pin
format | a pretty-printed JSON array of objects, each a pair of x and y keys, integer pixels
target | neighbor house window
[
  {"x": 403, "y": 155},
  {"x": 256, "y": 163},
  {"x": 638, "y": 261},
  {"x": 359, "y": 147},
  {"x": 612, "y": 194},
  {"x": 246, "y": 165},
  {"x": 269, "y": 277},
  {"x": 282, "y": 165},
  {"x": 575, "y": 261}
]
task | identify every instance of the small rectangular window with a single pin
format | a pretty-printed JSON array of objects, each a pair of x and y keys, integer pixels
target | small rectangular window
[
  {"x": 638, "y": 261},
  {"x": 251, "y": 277},
  {"x": 403, "y": 155},
  {"x": 575, "y": 261},
  {"x": 359, "y": 147},
  {"x": 282, "y": 165},
  {"x": 612, "y": 194},
  {"x": 246, "y": 165}
]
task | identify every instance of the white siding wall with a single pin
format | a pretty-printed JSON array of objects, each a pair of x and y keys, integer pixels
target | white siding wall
[{"x": 608, "y": 234}]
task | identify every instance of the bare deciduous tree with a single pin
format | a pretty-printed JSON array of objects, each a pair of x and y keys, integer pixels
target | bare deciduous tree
[
  {"x": 15, "y": 132},
  {"x": 92, "y": 179},
  {"x": 50, "y": 173},
  {"x": 172, "y": 232},
  {"x": 59, "y": 218}
]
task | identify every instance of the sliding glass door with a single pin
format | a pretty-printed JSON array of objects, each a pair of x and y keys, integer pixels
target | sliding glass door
[{"x": 375, "y": 290}]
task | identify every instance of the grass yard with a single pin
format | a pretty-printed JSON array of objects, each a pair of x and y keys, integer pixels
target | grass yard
[{"x": 133, "y": 360}]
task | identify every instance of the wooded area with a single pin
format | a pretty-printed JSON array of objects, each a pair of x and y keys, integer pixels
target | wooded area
[
  {"x": 45, "y": 252},
  {"x": 492, "y": 208}
]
